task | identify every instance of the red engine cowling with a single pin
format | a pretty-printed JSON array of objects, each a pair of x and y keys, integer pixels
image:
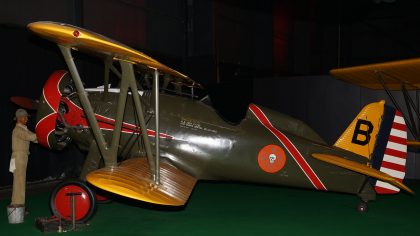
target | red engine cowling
[{"x": 49, "y": 128}]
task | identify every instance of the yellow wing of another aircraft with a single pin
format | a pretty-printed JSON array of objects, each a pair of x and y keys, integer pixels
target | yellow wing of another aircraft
[
  {"x": 413, "y": 143},
  {"x": 90, "y": 42},
  {"x": 402, "y": 75},
  {"x": 393, "y": 74}
]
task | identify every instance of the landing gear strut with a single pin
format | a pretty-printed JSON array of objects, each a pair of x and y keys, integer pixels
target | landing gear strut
[{"x": 366, "y": 194}]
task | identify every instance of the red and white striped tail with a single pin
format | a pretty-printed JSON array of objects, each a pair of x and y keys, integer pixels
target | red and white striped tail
[{"x": 395, "y": 155}]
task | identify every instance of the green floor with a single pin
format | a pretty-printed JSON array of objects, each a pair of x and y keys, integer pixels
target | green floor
[{"x": 235, "y": 209}]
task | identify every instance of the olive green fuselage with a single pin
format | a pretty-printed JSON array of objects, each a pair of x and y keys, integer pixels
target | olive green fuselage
[{"x": 195, "y": 139}]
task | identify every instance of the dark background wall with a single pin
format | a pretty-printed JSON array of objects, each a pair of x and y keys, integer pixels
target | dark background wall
[
  {"x": 276, "y": 53},
  {"x": 322, "y": 35}
]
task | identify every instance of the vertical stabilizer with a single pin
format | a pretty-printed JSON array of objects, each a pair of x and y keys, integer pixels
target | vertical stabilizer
[{"x": 360, "y": 135}]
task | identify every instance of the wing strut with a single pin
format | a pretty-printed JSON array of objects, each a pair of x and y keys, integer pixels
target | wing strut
[
  {"x": 157, "y": 132},
  {"x": 409, "y": 104},
  {"x": 128, "y": 82},
  {"x": 128, "y": 73},
  {"x": 104, "y": 150}
]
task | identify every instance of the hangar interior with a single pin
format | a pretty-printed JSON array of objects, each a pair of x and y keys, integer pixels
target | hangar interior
[{"x": 274, "y": 53}]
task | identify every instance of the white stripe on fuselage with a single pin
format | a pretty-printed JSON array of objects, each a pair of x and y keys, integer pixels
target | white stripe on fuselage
[{"x": 111, "y": 90}]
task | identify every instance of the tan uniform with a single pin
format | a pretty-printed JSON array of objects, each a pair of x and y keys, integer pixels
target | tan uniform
[{"x": 20, "y": 150}]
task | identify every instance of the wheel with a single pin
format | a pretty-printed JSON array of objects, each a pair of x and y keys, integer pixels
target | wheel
[
  {"x": 61, "y": 202},
  {"x": 362, "y": 207}
]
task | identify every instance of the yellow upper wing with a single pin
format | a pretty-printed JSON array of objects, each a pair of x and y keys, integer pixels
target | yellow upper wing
[
  {"x": 392, "y": 73},
  {"x": 87, "y": 41}
]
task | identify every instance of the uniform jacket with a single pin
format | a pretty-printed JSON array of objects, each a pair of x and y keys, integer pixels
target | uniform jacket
[{"x": 21, "y": 138}]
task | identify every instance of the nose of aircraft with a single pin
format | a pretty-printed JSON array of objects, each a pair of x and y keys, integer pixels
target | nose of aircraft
[{"x": 49, "y": 129}]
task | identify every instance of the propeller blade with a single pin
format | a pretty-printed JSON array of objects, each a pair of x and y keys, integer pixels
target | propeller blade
[{"x": 25, "y": 102}]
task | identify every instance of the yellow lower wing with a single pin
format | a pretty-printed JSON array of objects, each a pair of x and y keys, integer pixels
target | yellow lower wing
[
  {"x": 132, "y": 179},
  {"x": 360, "y": 168}
]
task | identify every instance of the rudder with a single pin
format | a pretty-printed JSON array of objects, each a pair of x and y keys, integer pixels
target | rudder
[{"x": 391, "y": 150}]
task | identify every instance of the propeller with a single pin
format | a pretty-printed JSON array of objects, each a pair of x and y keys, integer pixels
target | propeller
[{"x": 25, "y": 102}]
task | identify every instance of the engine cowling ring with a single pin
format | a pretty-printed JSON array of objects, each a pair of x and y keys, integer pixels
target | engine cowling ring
[{"x": 48, "y": 119}]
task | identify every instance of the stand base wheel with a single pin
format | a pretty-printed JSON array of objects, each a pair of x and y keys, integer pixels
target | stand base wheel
[{"x": 84, "y": 198}]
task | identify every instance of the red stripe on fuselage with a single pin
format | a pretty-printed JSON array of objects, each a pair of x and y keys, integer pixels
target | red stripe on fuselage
[
  {"x": 297, "y": 156},
  {"x": 76, "y": 116}
]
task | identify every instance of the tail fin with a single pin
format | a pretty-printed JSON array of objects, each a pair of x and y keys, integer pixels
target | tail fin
[
  {"x": 379, "y": 133},
  {"x": 360, "y": 135}
]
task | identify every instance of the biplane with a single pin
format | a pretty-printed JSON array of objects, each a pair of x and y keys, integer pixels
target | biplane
[{"x": 153, "y": 143}]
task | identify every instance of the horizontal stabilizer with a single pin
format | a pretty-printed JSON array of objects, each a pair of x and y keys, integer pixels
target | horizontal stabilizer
[
  {"x": 132, "y": 178},
  {"x": 360, "y": 168}
]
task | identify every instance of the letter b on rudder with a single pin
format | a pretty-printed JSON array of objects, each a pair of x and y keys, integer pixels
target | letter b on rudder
[{"x": 362, "y": 132}]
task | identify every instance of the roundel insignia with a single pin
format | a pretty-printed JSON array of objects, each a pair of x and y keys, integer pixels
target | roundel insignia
[{"x": 271, "y": 158}]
